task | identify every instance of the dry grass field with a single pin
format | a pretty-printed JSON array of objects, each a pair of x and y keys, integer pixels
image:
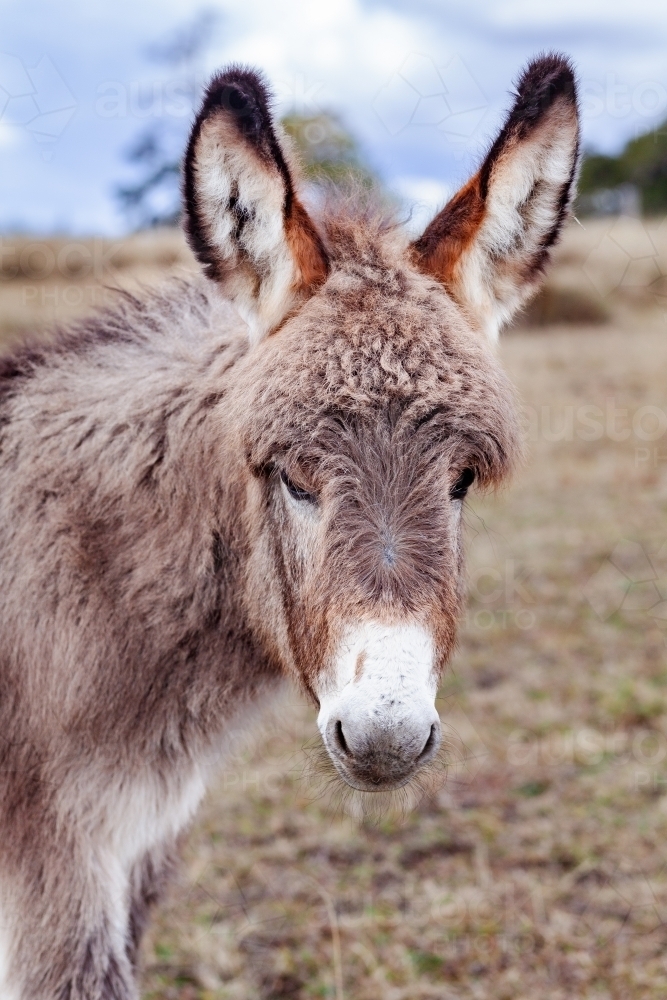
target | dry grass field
[{"x": 538, "y": 871}]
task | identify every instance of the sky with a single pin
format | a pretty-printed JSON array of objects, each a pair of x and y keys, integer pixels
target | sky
[{"x": 421, "y": 84}]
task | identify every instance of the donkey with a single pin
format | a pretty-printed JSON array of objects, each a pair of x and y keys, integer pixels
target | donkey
[{"x": 242, "y": 479}]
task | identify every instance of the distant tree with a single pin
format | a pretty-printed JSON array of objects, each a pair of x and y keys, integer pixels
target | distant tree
[
  {"x": 642, "y": 163},
  {"x": 328, "y": 152},
  {"x": 153, "y": 199}
]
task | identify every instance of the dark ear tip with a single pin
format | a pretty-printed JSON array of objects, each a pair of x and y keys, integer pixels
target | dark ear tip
[
  {"x": 547, "y": 78},
  {"x": 239, "y": 91}
]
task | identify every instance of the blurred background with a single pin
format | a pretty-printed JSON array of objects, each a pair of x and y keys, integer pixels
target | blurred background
[
  {"x": 539, "y": 869},
  {"x": 95, "y": 98}
]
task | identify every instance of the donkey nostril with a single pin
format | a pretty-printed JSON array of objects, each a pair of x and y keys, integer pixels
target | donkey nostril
[
  {"x": 430, "y": 743},
  {"x": 340, "y": 738}
]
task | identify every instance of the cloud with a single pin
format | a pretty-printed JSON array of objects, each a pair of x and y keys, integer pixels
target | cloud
[
  {"x": 424, "y": 196},
  {"x": 10, "y": 135},
  {"x": 372, "y": 60},
  {"x": 345, "y": 48}
]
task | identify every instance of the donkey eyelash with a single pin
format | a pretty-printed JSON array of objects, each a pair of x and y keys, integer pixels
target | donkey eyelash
[
  {"x": 462, "y": 484},
  {"x": 296, "y": 492}
]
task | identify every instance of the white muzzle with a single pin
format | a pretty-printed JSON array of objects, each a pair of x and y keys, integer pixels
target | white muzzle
[{"x": 377, "y": 714}]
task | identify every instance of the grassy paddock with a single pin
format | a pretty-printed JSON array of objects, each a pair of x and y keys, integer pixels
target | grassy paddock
[{"x": 539, "y": 869}]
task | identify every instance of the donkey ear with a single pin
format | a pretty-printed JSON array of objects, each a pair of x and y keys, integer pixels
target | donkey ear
[
  {"x": 242, "y": 216},
  {"x": 490, "y": 244}
]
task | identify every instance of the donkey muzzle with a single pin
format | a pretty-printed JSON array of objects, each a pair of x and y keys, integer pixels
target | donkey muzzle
[
  {"x": 378, "y": 718},
  {"x": 379, "y": 755}
]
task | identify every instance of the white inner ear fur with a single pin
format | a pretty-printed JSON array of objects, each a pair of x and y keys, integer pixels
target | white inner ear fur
[
  {"x": 493, "y": 290},
  {"x": 261, "y": 273}
]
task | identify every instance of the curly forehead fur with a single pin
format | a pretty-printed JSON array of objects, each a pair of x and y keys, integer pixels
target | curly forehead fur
[{"x": 380, "y": 337}]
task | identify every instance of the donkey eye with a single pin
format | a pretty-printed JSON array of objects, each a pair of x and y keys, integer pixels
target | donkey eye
[
  {"x": 462, "y": 484},
  {"x": 296, "y": 491}
]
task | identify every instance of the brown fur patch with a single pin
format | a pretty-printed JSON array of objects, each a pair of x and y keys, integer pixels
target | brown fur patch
[
  {"x": 307, "y": 248},
  {"x": 359, "y": 666},
  {"x": 450, "y": 234},
  {"x": 489, "y": 250}
]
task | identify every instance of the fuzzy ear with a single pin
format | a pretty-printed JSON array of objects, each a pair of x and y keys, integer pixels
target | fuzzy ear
[
  {"x": 242, "y": 216},
  {"x": 490, "y": 244}
]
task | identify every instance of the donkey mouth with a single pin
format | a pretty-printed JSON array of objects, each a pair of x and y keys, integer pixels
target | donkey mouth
[
  {"x": 379, "y": 765},
  {"x": 373, "y": 784}
]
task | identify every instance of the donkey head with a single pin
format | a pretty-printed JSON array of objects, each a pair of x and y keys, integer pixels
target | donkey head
[{"x": 369, "y": 401}]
